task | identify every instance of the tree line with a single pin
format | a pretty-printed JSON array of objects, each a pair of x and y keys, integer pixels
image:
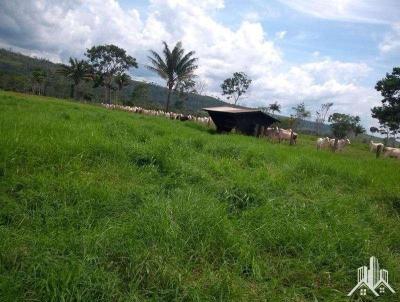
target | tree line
[{"x": 107, "y": 66}]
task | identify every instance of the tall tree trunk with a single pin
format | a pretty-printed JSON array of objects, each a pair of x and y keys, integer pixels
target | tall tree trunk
[
  {"x": 72, "y": 91},
  {"x": 378, "y": 151},
  {"x": 108, "y": 96},
  {"x": 168, "y": 99},
  {"x": 335, "y": 144},
  {"x": 77, "y": 91},
  {"x": 291, "y": 138}
]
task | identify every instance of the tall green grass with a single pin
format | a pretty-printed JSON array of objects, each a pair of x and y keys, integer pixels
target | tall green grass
[{"x": 100, "y": 205}]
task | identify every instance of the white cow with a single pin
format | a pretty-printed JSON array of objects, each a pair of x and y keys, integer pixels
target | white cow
[
  {"x": 373, "y": 147},
  {"x": 391, "y": 152},
  {"x": 323, "y": 143},
  {"x": 286, "y": 135},
  {"x": 272, "y": 133},
  {"x": 340, "y": 144}
]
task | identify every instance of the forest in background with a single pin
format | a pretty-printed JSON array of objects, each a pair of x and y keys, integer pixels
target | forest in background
[{"x": 17, "y": 73}]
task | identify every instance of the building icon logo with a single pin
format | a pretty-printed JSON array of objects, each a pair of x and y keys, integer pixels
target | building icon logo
[{"x": 373, "y": 280}]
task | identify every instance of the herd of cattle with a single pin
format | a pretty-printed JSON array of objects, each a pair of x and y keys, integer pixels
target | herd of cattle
[
  {"x": 387, "y": 151},
  {"x": 280, "y": 134},
  {"x": 170, "y": 115},
  {"x": 329, "y": 143},
  {"x": 273, "y": 133},
  {"x": 377, "y": 148}
]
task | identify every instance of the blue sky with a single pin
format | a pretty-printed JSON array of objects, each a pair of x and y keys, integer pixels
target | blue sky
[{"x": 310, "y": 51}]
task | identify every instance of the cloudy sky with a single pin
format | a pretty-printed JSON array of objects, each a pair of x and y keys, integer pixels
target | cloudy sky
[{"x": 294, "y": 50}]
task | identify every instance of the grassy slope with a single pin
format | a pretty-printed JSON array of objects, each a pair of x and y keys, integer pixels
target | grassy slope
[{"x": 101, "y": 205}]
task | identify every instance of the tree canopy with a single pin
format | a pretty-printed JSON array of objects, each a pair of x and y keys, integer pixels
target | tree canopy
[
  {"x": 388, "y": 113},
  {"x": 274, "y": 107},
  {"x": 175, "y": 67},
  {"x": 122, "y": 80},
  {"x": 236, "y": 86},
  {"x": 108, "y": 61},
  {"x": 76, "y": 71},
  {"x": 300, "y": 111},
  {"x": 342, "y": 124}
]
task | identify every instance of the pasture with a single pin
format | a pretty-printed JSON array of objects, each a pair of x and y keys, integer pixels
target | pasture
[{"x": 101, "y": 205}]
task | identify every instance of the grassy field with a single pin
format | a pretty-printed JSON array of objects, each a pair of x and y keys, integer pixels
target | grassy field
[{"x": 100, "y": 205}]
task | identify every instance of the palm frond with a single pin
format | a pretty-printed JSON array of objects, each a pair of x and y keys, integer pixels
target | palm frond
[
  {"x": 184, "y": 65},
  {"x": 174, "y": 66},
  {"x": 158, "y": 64},
  {"x": 156, "y": 56},
  {"x": 158, "y": 71}
]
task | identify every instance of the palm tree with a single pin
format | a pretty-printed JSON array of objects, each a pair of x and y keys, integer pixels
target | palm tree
[
  {"x": 121, "y": 80},
  {"x": 274, "y": 107},
  {"x": 77, "y": 71},
  {"x": 38, "y": 79},
  {"x": 175, "y": 67}
]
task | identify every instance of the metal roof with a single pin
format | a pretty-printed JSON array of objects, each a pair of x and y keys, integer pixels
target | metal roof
[{"x": 231, "y": 109}]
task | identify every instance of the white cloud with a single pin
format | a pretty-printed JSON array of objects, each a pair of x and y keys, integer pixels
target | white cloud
[
  {"x": 391, "y": 41},
  {"x": 252, "y": 16},
  {"x": 366, "y": 11},
  {"x": 58, "y": 30},
  {"x": 281, "y": 34},
  {"x": 317, "y": 82}
]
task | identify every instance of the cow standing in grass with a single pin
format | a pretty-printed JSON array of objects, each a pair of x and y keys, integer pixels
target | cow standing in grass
[
  {"x": 391, "y": 152},
  {"x": 323, "y": 143},
  {"x": 280, "y": 134},
  {"x": 373, "y": 147},
  {"x": 272, "y": 133},
  {"x": 377, "y": 148},
  {"x": 288, "y": 135},
  {"x": 339, "y": 144}
]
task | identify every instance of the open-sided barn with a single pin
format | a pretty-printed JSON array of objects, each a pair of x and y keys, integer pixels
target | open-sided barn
[{"x": 245, "y": 120}]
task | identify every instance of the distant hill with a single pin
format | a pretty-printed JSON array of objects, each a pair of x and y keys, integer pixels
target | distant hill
[{"x": 16, "y": 75}]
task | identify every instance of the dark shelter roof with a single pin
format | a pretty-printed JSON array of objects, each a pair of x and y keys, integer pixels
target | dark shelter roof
[{"x": 245, "y": 120}]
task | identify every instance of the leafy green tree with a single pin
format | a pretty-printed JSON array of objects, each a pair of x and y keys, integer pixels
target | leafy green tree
[
  {"x": 236, "y": 86},
  {"x": 107, "y": 61},
  {"x": 342, "y": 124},
  {"x": 274, "y": 107},
  {"x": 388, "y": 114},
  {"x": 121, "y": 80},
  {"x": 358, "y": 129},
  {"x": 173, "y": 66},
  {"x": 77, "y": 71},
  {"x": 301, "y": 112},
  {"x": 140, "y": 95}
]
